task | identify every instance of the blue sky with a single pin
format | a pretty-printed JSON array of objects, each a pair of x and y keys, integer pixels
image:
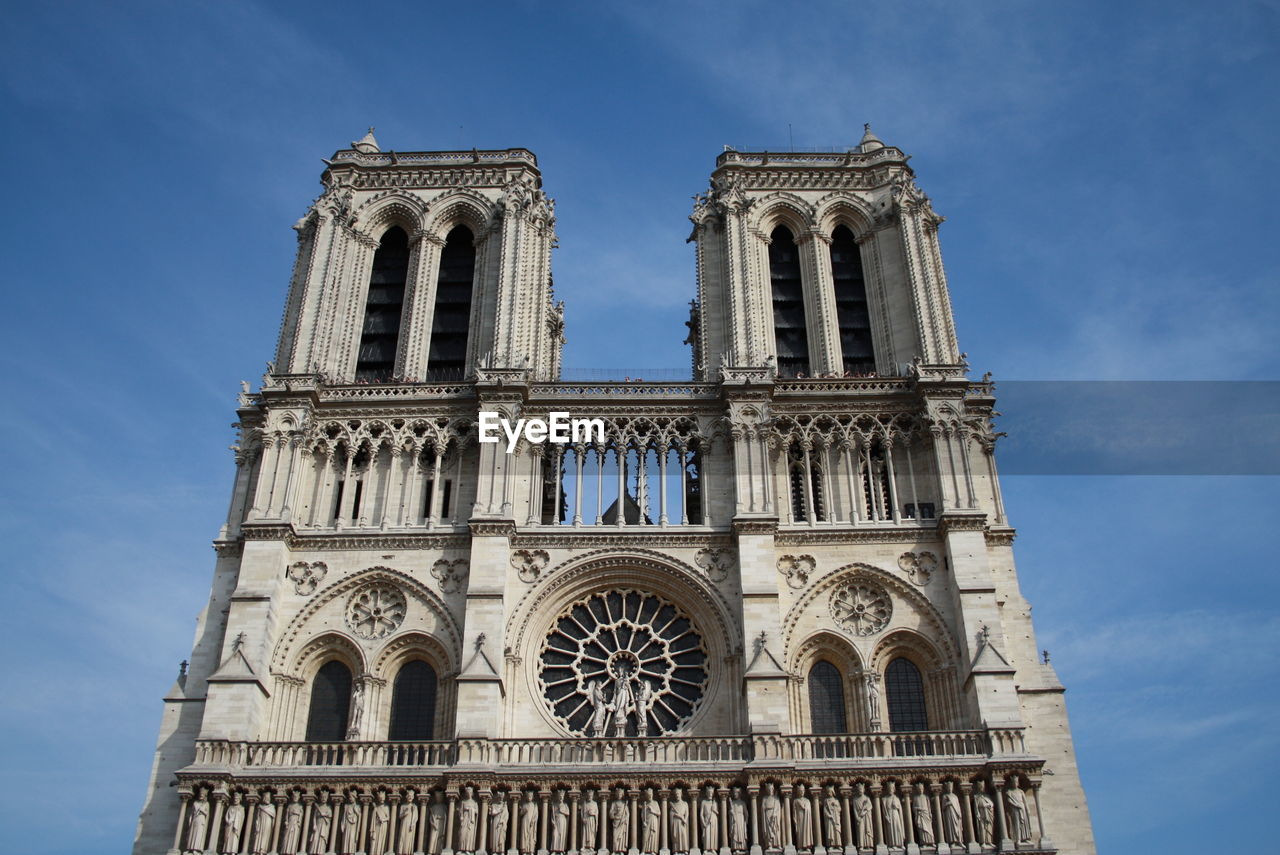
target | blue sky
[{"x": 1108, "y": 171}]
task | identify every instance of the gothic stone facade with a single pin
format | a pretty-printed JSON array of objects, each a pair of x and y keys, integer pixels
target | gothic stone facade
[{"x": 772, "y": 609}]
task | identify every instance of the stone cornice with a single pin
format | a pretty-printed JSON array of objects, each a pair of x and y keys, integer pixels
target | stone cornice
[
  {"x": 630, "y": 537},
  {"x": 814, "y": 537}
]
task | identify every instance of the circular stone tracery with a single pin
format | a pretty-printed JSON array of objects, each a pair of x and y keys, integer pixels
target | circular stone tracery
[
  {"x": 376, "y": 610},
  {"x": 861, "y": 607},
  {"x": 623, "y": 663}
]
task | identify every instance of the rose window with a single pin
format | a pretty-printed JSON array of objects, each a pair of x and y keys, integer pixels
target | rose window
[
  {"x": 861, "y": 607},
  {"x": 623, "y": 663},
  {"x": 376, "y": 610}
]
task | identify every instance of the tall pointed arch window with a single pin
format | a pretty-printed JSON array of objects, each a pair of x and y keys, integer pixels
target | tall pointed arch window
[
  {"x": 413, "y": 702},
  {"x": 826, "y": 699},
  {"x": 330, "y": 703},
  {"x": 380, "y": 335},
  {"x": 451, "y": 320},
  {"x": 904, "y": 693},
  {"x": 851, "y": 303},
  {"x": 791, "y": 336}
]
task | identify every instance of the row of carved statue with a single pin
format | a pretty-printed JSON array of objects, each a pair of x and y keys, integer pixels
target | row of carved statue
[{"x": 944, "y": 816}]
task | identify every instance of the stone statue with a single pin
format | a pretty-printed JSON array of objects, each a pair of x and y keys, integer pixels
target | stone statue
[
  {"x": 528, "y": 823},
  {"x": 559, "y": 822},
  {"x": 599, "y": 708},
  {"x": 350, "y": 826},
  {"x": 1019, "y": 816},
  {"x": 407, "y": 824},
  {"x": 232, "y": 824},
  {"x": 801, "y": 819},
  {"x": 831, "y": 820},
  {"x": 678, "y": 813},
  {"x": 737, "y": 821},
  {"x": 264, "y": 826},
  {"x": 618, "y": 818},
  {"x": 437, "y": 817},
  {"x": 644, "y": 703},
  {"x": 589, "y": 817},
  {"x": 984, "y": 814},
  {"x": 862, "y": 818},
  {"x": 709, "y": 820},
  {"x": 291, "y": 836},
  {"x": 624, "y": 703},
  {"x": 357, "y": 709},
  {"x": 650, "y": 822},
  {"x": 468, "y": 816},
  {"x": 891, "y": 807},
  {"x": 498, "y": 822},
  {"x": 321, "y": 823},
  {"x": 198, "y": 822},
  {"x": 379, "y": 824},
  {"x": 952, "y": 818},
  {"x": 922, "y": 813},
  {"x": 771, "y": 818},
  {"x": 873, "y": 697}
]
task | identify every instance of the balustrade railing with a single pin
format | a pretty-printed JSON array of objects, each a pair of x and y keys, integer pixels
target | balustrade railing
[{"x": 668, "y": 750}]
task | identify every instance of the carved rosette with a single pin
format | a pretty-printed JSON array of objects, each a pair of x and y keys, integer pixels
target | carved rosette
[
  {"x": 716, "y": 560},
  {"x": 529, "y": 563},
  {"x": 376, "y": 611},
  {"x": 623, "y": 663},
  {"x": 918, "y": 566},
  {"x": 861, "y": 607},
  {"x": 797, "y": 568},
  {"x": 306, "y": 576},
  {"x": 450, "y": 574}
]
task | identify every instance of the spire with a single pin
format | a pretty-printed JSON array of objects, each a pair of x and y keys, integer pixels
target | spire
[
  {"x": 870, "y": 142},
  {"x": 367, "y": 144}
]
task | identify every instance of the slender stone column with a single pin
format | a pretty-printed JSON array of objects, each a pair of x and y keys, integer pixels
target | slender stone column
[
  {"x": 483, "y": 822},
  {"x": 756, "y": 846},
  {"x": 571, "y": 844},
  {"x": 663, "y": 845},
  {"x": 966, "y": 800},
  {"x": 877, "y": 818},
  {"x": 215, "y": 825},
  {"x": 722, "y": 797},
  {"x": 543, "y": 798},
  {"x": 183, "y": 799},
  {"x": 513, "y": 823},
  {"x": 847, "y": 816},
  {"x": 1043, "y": 842},
  {"x": 633, "y": 796},
  {"x": 577, "y": 485},
  {"x": 452, "y": 798},
  {"x": 1000, "y": 835},
  {"x": 282, "y": 803}
]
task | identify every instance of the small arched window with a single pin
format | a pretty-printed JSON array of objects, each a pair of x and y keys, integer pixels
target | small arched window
[
  {"x": 805, "y": 490},
  {"x": 826, "y": 699},
  {"x": 904, "y": 693},
  {"x": 451, "y": 320},
  {"x": 380, "y": 336},
  {"x": 791, "y": 335},
  {"x": 330, "y": 703},
  {"x": 851, "y": 303},
  {"x": 413, "y": 702}
]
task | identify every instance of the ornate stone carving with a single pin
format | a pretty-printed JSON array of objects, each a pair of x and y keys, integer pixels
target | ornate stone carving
[
  {"x": 861, "y": 607},
  {"x": 918, "y": 566},
  {"x": 797, "y": 568},
  {"x": 449, "y": 574},
  {"x": 306, "y": 576},
  {"x": 621, "y": 663},
  {"x": 377, "y": 610},
  {"x": 530, "y": 563},
  {"x": 717, "y": 561}
]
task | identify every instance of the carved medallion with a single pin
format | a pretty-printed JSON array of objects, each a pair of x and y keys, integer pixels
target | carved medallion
[
  {"x": 623, "y": 663},
  {"x": 529, "y": 563},
  {"x": 449, "y": 574},
  {"x": 797, "y": 569},
  {"x": 306, "y": 577},
  {"x": 375, "y": 611},
  {"x": 861, "y": 607},
  {"x": 919, "y": 566},
  {"x": 716, "y": 560}
]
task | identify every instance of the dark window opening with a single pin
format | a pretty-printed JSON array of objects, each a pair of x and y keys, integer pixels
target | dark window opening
[
  {"x": 851, "y": 303},
  {"x": 451, "y": 320},
  {"x": 791, "y": 334},
  {"x": 413, "y": 702},
  {"x": 904, "y": 691},
  {"x": 921, "y": 511},
  {"x": 330, "y": 703},
  {"x": 826, "y": 699},
  {"x": 380, "y": 336}
]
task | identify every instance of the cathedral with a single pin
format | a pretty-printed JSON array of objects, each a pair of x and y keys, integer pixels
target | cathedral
[{"x": 769, "y": 610}]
